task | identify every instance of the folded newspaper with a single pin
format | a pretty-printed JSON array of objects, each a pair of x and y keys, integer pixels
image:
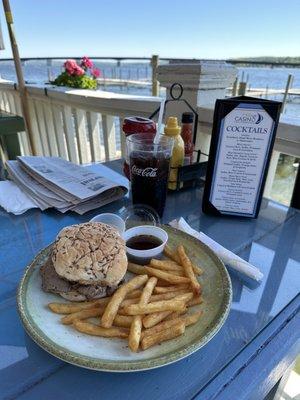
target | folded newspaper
[{"x": 55, "y": 182}]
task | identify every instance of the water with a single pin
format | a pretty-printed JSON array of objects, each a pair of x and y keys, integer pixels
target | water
[
  {"x": 257, "y": 77},
  {"x": 37, "y": 71},
  {"x": 275, "y": 78}
]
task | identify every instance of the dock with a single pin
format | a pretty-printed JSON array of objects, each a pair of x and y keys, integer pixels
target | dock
[
  {"x": 123, "y": 82},
  {"x": 261, "y": 91}
]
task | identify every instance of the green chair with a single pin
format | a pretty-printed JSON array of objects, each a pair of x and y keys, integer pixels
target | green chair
[{"x": 10, "y": 125}]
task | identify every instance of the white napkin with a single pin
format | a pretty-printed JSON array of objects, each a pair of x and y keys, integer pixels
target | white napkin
[
  {"x": 13, "y": 200},
  {"x": 225, "y": 255}
]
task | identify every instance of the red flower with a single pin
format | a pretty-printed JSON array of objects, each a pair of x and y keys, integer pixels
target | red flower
[
  {"x": 70, "y": 66},
  {"x": 96, "y": 72},
  {"x": 78, "y": 71},
  {"x": 86, "y": 62}
]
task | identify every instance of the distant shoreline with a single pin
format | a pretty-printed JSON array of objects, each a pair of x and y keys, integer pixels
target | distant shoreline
[{"x": 291, "y": 62}]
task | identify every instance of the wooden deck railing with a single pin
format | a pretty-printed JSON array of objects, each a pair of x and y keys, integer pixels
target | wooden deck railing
[
  {"x": 84, "y": 125},
  {"x": 79, "y": 125}
]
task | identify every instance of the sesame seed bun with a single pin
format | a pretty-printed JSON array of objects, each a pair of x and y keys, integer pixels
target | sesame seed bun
[{"x": 90, "y": 253}]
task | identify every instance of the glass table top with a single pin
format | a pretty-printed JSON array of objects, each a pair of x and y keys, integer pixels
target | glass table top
[{"x": 271, "y": 242}]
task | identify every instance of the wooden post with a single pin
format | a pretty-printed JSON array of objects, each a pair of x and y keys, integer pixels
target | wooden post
[
  {"x": 289, "y": 83},
  {"x": 271, "y": 173},
  {"x": 267, "y": 91},
  {"x": 19, "y": 72},
  {"x": 235, "y": 86},
  {"x": 242, "y": 88},
  {"x": 155, "y": 84},
  {"x": 49, "y": 70}
]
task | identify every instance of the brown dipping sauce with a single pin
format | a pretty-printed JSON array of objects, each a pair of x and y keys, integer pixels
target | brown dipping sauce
[{"x": 143, "y": 242}]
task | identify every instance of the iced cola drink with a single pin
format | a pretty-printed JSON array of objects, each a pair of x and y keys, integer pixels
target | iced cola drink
[{"x": 149, "y": 169}]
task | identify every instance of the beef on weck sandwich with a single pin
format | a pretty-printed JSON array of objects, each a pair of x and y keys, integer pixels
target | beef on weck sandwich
[{"x": 87, "y": 261}]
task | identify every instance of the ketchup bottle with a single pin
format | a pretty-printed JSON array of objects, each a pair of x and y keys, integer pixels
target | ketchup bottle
[
  {"x": 187, "y": 120},
  {"x": 133, "y": 125}
]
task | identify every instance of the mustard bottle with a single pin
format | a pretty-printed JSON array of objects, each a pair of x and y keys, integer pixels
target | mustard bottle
[{"x": 174, "y": 130}]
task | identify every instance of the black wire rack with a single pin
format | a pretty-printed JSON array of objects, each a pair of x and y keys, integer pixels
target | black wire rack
[{"x": 190, "y": 175}]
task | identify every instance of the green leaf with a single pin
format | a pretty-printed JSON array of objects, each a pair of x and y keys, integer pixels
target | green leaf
[{"x": 78, "y": 82}]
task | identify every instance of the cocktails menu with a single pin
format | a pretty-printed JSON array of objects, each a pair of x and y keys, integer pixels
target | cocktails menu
[{"x": 244, "y": 130}]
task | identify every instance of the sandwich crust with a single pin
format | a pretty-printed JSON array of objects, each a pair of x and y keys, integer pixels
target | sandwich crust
[{"x": 90, "y": 253}]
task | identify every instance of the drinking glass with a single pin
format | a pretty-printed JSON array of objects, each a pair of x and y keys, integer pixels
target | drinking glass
[{"x": 149, "y": 169}]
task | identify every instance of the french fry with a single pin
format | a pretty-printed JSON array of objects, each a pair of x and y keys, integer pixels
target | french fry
[
  {"x": 162, "y": 336},
  {"x": 188, "y": 318},
  {"x": 189, "y": 272},
  {"x": 83, "y": 314},
  {"x": 160, "y": 327},
  {"x": 142, "y": 270},
  {"x": 123, "y": 321},
  {"x": 120, "y": 320},
  {"x": 195, "y": 301},
  {"x": 186, "y": 297},
  {"x": 166, "y": 265},
  {"x": 192, "y": 318},
  {"x": 166, "y": 289},
  {"x": 168, "y": 324},
  {"x": 136, "y": 326},
  {"x": 114, "y": 303},
  {"x": 164, "y": 305},
  {"x": 136, "y": 269},
  {"x": 172, "y": 278},
  {"x": 171, "y": 254},
  {"x": 177, "y": 273},
  {"x": 173, "y": 315},
  {"x": 68, "y": 308},
  {"x": 175, "y": 257},
  {"x": 121, "y": 311},
  {"x": 162, "y": 283},
  {"x": 167, "y": 295},
  {"x": 153, "y": 319},
  {"x": 127, "y": 302},
  {"x": 96, "y": 330},
  {"x": 134, "y": 294},
  {"x": 155, "y": 297},
  {"x": 197, "y": 270}
]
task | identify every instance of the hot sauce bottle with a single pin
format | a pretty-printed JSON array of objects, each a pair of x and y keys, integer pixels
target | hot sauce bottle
[{"x": 187, "y": 120}]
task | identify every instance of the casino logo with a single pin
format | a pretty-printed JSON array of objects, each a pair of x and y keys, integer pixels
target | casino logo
[{"x": 247, "y": 118}]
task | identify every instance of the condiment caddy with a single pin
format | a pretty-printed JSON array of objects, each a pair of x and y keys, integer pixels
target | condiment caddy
[{"x": 186, "y": 168}]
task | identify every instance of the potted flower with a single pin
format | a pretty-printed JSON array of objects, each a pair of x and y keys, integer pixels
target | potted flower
[{"x": 80, "y": 76}]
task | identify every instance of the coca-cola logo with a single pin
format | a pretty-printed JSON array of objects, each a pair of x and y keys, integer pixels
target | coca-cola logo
[{"x": 146, "y": 172}]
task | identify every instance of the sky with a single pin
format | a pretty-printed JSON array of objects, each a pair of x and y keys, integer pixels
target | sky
[{"x": 216, "y": 29}]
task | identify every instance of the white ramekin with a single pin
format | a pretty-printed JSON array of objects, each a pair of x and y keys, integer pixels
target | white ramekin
[
  {"x": 144, "y": 256},
  {"x": 112, "y": 220}
]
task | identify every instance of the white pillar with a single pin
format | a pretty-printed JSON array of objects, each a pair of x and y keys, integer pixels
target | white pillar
[{"x": 203, "y": 83}]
